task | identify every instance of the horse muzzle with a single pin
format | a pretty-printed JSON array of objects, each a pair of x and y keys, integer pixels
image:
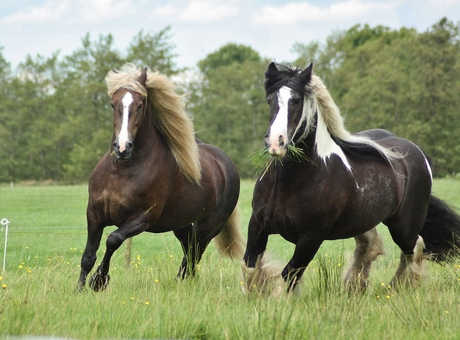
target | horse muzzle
[
  {"x": 122, "y": 152},
  {"x": 277, "y": 147}
]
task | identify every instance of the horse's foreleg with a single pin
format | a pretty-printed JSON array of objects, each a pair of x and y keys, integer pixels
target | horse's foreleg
[
  {"x": 305, "y": 249},
  {"x": 100, "y": 279},
  {"x": 256, "y": 272},
  {"x": 89, "y": 256}
]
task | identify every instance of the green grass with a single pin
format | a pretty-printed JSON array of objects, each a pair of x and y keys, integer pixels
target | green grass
[{"x": 47, "y": 235}]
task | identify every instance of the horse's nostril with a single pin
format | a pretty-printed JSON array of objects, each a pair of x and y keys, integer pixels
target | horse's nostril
[
  {"x": 281, "y": 140},
  {"x": 129, "y": 145}
]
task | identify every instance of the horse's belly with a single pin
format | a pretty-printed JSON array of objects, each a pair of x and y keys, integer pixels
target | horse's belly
[
  {"x": 362, "y": 215},
  {"x": 332, "y": 221}
]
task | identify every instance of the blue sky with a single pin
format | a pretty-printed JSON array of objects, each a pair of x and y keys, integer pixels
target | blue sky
[{"x": 201, "y": 27}]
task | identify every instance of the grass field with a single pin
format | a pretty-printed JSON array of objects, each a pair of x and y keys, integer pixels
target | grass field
[{"x": 47, "y": 235}]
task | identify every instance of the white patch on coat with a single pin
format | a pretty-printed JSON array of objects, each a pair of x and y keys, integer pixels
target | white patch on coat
[{"x": 325, "y": 145}]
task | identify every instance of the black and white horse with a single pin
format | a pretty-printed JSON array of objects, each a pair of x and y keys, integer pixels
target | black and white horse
[{"x": 343, "y": 186}]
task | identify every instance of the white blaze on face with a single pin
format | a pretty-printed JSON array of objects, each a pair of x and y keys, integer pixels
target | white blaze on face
[
  {"x": 278, "y": 130},
  {"x": 123, "y": 135}
]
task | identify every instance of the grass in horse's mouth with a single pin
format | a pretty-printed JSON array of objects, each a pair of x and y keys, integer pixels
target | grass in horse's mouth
[{"x": 262, "y": 158}]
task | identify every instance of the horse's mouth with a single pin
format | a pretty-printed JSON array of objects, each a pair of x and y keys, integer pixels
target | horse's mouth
[
  {"x": 124, "y": 156},
  {"x": 277, "y": 153}
]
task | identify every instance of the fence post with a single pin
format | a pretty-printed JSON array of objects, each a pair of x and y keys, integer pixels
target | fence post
[
  {"x": 4, "y": 222},
  {"x": 129, "y": 243}
]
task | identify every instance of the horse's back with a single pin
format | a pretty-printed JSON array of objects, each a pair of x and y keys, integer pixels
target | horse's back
[
  {"x": 411, "y": 154},
  {"x": 376, "y": 134}
]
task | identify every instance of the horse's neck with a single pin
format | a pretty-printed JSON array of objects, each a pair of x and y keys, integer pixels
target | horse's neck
[
  {"x": 149, "y": 139},
  {"x": 308, "y": 145}
]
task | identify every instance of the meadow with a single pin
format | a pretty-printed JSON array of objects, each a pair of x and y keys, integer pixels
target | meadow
[{"x": 47, "y": 235}]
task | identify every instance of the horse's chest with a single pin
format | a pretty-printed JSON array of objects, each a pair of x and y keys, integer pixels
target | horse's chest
[
  {"x": 118, "y": 205},
  {"x": 278, "y": 216}
]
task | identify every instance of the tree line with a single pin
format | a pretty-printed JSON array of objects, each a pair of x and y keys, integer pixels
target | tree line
[{"x": 56, "y": 121}]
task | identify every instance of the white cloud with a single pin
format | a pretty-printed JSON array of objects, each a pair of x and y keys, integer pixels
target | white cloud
[
  {"x": 445, "y": 2},
  {"x": 81, "y": 11},
  {"x": 198, "y": 11},
  {"x": 166, "y": 11},
  {"x": 294, "y": 13},
  {"x": 101, "y": 10}
]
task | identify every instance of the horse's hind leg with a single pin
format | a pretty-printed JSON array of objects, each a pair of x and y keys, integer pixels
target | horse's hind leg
[
  {"x": 368, "y": 247},
  {"x": 187, "y": 239},
  {"x": 410, "y": 266},
  {"x": 194, "y": 239}
]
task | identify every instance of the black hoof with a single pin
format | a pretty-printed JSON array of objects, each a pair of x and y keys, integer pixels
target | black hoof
[{"x": 99, "y": 282}]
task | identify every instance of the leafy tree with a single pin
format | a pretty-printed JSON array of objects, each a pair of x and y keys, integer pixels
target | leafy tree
[
  {"x": 228, "y": 103},
  {"x": 6, "y": 118},
  {"x": 32, "y": 119},
  {"x": 154, "y": 50},
  {"x": 88, "y": 127},
  {"x": 56, "y": 119},
  {"x": 227, "y": 55},
  {"x": 399, "y": 80}
]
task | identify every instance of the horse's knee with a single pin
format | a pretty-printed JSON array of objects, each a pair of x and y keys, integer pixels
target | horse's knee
[{"x": 114, "y": 241}]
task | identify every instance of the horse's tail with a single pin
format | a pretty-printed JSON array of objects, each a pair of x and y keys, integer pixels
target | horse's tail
[
  {"x": 230, "y": 240},
  {"x": 441, "y": 232}
]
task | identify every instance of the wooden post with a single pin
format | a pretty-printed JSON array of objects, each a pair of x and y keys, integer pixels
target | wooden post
[{"x": 129, "y": 243}]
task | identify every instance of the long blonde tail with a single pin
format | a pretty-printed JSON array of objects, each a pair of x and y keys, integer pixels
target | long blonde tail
[{"x": 230, "y": 241}]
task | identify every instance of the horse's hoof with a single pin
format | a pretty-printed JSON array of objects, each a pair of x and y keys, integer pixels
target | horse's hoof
[
  {"x": 99, "y": 282},
  {"x": 79, "y": 288}
]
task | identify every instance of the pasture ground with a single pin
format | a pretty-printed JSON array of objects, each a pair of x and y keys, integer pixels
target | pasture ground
[{"x": 47, "y": 235}]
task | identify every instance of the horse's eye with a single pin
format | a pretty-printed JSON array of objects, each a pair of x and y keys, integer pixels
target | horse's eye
[{"x": 296, "y": 101}]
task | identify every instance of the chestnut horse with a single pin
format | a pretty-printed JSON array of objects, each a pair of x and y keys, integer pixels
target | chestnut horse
[
  {"x": 157, "y": 177},
  {"x": 330, "y": 184}
]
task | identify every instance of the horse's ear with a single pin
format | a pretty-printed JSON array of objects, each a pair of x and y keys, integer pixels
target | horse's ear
[
  {"x": 272, "y": 67},
  {"x": 143, "y": 77},
  {"x": 305, "y": 75}
]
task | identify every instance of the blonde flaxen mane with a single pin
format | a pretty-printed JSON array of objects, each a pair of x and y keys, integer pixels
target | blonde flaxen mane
[
  {"x": 335, "y": 123},
  {"x": 170, "y": 115}
]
